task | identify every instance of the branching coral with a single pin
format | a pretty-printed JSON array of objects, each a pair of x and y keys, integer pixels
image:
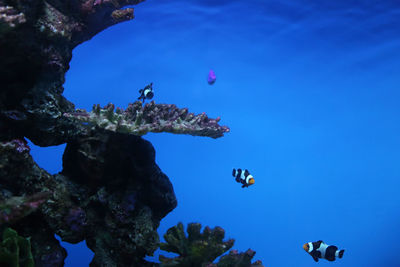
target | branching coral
[
  {"x": 201, "y": 249},
  {"x": 236, "y": 259},
  {"x": 15, "y": 250},
  {"x": 197, "y": 248},
  {"x": 152, "y": 117}
]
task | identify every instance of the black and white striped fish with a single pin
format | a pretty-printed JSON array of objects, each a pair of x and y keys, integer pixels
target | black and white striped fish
[
  {"x": 243, "y": 177},
  {"x": 147, "y": 92},
  {"x": 320, "y": 250}
]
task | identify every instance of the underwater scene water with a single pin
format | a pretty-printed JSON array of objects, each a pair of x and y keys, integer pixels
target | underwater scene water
[{"x": 310, "y": 92}]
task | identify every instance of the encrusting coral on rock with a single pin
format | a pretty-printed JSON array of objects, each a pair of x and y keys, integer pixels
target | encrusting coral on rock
[
  {"x": 9, "y": 18},
  {"x": 152, "y": 117},
  {"x": 36, "y": 42},
  {"x": 202, "y": 248},
  {"x": 16, "y": 208}
]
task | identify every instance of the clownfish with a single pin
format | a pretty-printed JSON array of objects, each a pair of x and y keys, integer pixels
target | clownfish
[
  {"x": 147, "y": 92},
  {"x": 243, "y": 177},
  {"x": 320, "y": 250}
]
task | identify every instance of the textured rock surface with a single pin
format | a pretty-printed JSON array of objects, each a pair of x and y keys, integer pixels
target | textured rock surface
[
  {"x": 110, "y": 193},
  {"x": 36, "y": 42},
  {"x": 128, "y": 194},
  {"x": 21, "y": 179},
  {"x": 13, "y": 209}
]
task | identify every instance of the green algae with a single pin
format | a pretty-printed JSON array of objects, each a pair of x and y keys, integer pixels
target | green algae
[{"x": 15, "y": 250}]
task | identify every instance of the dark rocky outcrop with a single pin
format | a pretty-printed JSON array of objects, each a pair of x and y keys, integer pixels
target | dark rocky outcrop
[
  {"x": 110, "y": 192},
  {"x": 36, "y": 42}
]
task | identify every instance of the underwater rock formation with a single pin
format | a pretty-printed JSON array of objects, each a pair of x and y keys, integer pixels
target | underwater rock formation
[
  {"x": 152, "y": 117},
  {"x": 126, "y": 195},
  {"x": 36, "y": 42},
  {"x": 201, "y": 249},
  {"x": 110, "y": 192}
]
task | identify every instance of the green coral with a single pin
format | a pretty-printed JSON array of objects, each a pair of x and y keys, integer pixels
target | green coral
[
  {"x": 197, "y": 249},
  {"x": 201, "y": 249},
  {"x": 235, "y": 259},
  {"x": 15, "y": 250}
]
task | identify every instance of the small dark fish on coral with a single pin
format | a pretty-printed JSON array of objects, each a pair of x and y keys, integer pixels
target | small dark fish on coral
[
  {"x": 146, "y": 93},
  {"x": 320, "y": 250},
  {"x": 211, "y": 77},
  {"x": 243, "y": 177}
]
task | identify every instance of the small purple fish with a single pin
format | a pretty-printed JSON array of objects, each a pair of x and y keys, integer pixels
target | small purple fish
[{"x": 211, "y": 77}]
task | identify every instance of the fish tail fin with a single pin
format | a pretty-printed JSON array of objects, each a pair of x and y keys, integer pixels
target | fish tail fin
[
  {"x": 341, "y": 253},
  {"x": 233, "y": 172}
]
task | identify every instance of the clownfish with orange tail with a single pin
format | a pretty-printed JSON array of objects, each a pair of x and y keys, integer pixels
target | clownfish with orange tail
[
  {"x": 243, "y": 177},
  {"x": 320, "y": 250}
]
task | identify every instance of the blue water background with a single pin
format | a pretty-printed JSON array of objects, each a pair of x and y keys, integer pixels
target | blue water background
[{"x": 310, "y": 91}]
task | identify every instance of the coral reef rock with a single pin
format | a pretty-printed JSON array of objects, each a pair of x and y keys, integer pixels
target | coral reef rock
[
  {"x": 110, "y": 192},
  {"x": 152, "y": 117},
  {"x": 126, "y": 195},
  {"x": 201, "y": 249},
  {"x": 36, "y": 42},
  {"x": 15, "y": 208}
]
